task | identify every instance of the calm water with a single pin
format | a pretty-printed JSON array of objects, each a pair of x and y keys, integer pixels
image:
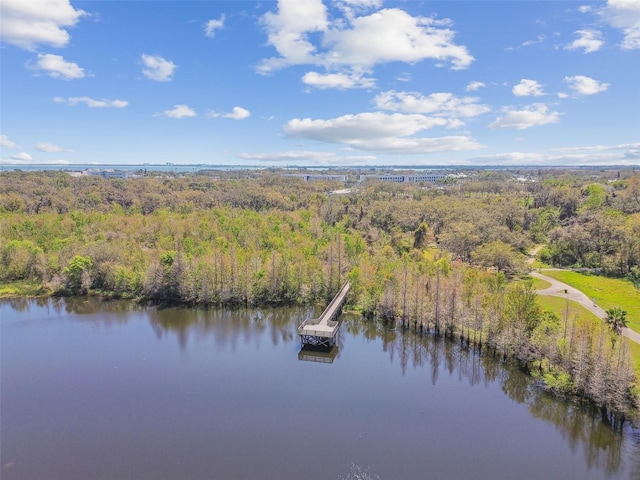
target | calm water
[{"x": 96, "y": 390}]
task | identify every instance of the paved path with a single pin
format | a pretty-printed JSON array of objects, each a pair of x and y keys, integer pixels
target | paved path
[{"x": 561, "y": 289}]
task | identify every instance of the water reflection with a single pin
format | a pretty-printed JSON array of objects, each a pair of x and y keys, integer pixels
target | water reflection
[
  {"x": 309, "y": 353},
  {"x": 581, "y": 425}
]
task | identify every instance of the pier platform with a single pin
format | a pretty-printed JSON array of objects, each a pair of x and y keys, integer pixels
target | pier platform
[{"x": 322, "y": 331}]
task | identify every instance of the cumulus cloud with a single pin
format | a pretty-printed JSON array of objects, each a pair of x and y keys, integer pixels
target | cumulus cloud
[
  {"x": 589, "y": 40},
  {"x": 303, "y": 34},
  {"x": 445, "y": 105},
  {"x": 474, "y": 86},
  {"x": 6, "y": 143},
  {"x": 27, "y": 24},
  {"x": 91, "y": 102},
  {"x": 238, "y": 113},
  {"x": 391, "y": 35},
  {"x": 212, "y": 25},
  {"x": 528, "y": 88},
  {"x": 341, "y": 81},
  {"x": 352, "y": 7},
  {"x": 157, "y": 68},
  {"x": 532, "y": 116},
  {"x": 379, "y": 131},
  {"x": 57, "y": 67},
  {"x": 22, "y": 156},
  {"x": 585, "y": 85},
  {"x": 179, "y": 111},
  {"x": 288, "y": 31},
  {"x": 50, "y": 147},
  {"x": 625, "y": 16}
]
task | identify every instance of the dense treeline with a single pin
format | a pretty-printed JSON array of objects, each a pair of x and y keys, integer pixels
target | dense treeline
[
  {"x": 436, "y": 259},
  {"x": 596, "y": 225}
]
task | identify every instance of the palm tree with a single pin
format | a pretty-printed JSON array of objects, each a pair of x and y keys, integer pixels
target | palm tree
[{"x": 616, "y": 319}]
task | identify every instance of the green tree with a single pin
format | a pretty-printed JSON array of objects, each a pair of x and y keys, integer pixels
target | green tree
[
  {"x": 77, "y": 274},
  {"x": 499, "y": 255}
]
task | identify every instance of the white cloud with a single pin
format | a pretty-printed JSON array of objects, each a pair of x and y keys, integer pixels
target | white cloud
[
  {"x": 179, "y": 111},
  {"x": 22, "y": 156},
  {"x": 302, "y": 34},
  {"x": 473, "y": 86},
  {"x": 315, "y": 157},
  {"x": 290, "y": 156},
  {"x": 379, "y": 132},
  {"x": 212, "y": 25},
  {"x": 445, "y": 105},
  {"x": 585, "y": 85},
  {"x": 238, "y": 113},
  {"x": 27, "y": 24},
  {"x": 528, "y": 43},
  {"x": 6, "y": 143},
  {"x": 528, "y": 88},
  {"x": 600, "y": 148},
  {"x": 589, "y": 40},
  {"x": 624, "y": 154},
  {"x": 624, "y": 15},
  {"x": 50, "y": 147},
  {"x": 392, "y": 35},
  {"x": 350, "y": 8},
  {"x": 58, "y": 67},
  {"x": 341, "y": 81},
  {"x": 91, "y": 102},
  {"x": 157, "y": 68},
  {"x": 534, "y": 115},
  {"x": 288, "y": 31}
]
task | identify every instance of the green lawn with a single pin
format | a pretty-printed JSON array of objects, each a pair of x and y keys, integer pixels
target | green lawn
[
  {"x": 538, "y": 264},
  {"x": 538, "y": 283},
  {"x": 635, "y": 354},
  {"x": 559, "y": 305},
  {"x": 608, "y": 292}
]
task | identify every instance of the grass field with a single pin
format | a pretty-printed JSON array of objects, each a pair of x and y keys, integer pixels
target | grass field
[
  {"x": 559, "y": 305},
  {"x": 635, "y": 354},
  {"x": 608, "y": 292},
  {"x": 21, "y": 289},
  {"x": 538, "y": 283}
]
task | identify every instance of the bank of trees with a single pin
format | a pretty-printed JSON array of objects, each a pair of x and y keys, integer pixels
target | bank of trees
[{"x": 434, "y": 260}]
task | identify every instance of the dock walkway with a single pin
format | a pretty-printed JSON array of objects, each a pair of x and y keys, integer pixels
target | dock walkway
[{"x": 322, "y": 331}]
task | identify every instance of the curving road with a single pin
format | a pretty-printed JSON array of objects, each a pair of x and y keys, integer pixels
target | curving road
[{"x": 561, "y": 289}]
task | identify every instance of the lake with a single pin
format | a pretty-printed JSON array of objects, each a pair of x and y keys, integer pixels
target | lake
[{"x": 112, "y": 390}]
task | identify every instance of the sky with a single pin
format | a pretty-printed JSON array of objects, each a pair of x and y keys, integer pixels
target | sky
[{"x": 320, "y": 82}]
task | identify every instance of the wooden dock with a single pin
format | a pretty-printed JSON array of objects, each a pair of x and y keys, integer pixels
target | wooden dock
[{"x": 322, "y": 331}]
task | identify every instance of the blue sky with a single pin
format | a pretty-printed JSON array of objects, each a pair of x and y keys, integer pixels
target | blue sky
[{"x": 315, "y": 83}]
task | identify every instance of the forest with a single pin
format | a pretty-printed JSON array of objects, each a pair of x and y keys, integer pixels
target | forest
[{"x": 447, "y": 259}]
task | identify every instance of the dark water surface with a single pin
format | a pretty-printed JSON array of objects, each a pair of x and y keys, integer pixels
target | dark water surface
[{"x": 95, "y": 390}]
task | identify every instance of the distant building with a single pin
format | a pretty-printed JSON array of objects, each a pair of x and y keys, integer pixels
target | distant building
[
  {"x": 108, "y": 173},
  {"x": 311, "y": 177},
  {"x": 416, "y": 178}
]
